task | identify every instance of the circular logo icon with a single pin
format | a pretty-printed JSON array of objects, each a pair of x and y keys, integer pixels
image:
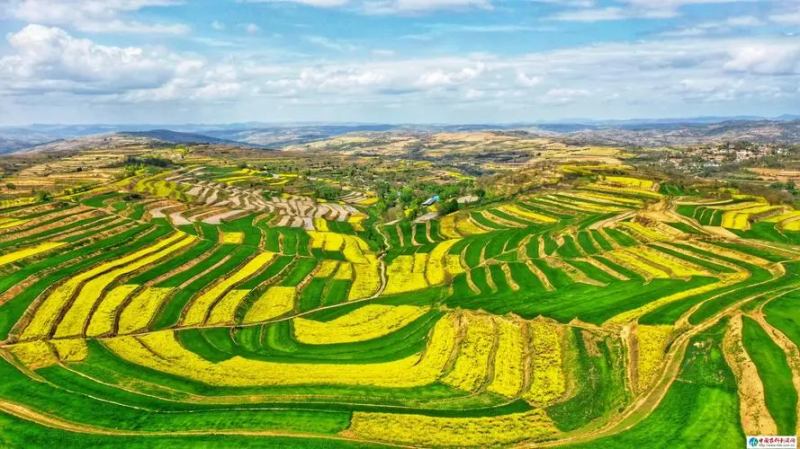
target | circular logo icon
[{"x": 752, "y": 442}]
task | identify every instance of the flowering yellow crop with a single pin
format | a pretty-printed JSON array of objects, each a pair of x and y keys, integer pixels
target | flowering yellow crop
[
  {"x": 225, "y": 310},
  {"x": 6, "y": 223},
  {"x": 584, "y": 206},
  {"x": 447, "y": 227},
  {"x": 547, "y": 377},
  {"x": 236, "y": 238},
  {"x": 509, "y": 360},
  {"x": 367, "y": 281},
  {"x": 644, "y": 232},
  {"x": 50, "y": 309},
  {"x": 344, "y": 273},
  {"x": 631, "y": 315},
  {"x": 141, "y": 310},
  {"x": 472, "y": 365},
  {"x": 76, "y": 317},
  {"x": 71, "y": 351},
  {"x": 636, "y": 264},
  {"x": 161, "y": 351},
  {"x": 678, "y": 267},
  {"x": 794, "y": 214},
  {"x": 403, "y": 278},
  {"x": 18, "y": 202},
  {"x": 604, "y": 197},
  {"x": 791, "y": 226},
  {"x": 652, "y": 342},
  {"x": 431, "y": 431},
  {"x": 354, "y": 249},
  {"x": 624, "y": 190},
  {"x": 327, "y": 269},
  {"x": 34, "y": 354},
  {"x": 466, "y": 226},
  {"x": 367, "y": 323},
  {"x": 103, "y": 319},
  {"x": 436, "y": 269},
  {"x": 273, "y": 303},
  {"x": 630, "y": 182},
  {"x": 200, "y": 308},
  {"x": 329, "y": 241},
  {"x": 519, "y": 212},
  {"x": 454, "y": 265},
  {"x": 738, "y": 206},
  {"x": 321, "y": 225},
  {"x": 740, "y": 218},
  {"x": 368, "y": 202},
  {"x": 28, "y": 252}
]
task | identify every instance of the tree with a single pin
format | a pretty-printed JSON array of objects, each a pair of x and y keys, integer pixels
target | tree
[
  {"x": 42, "y": 196},
  {"x": 448, "y": 207}
]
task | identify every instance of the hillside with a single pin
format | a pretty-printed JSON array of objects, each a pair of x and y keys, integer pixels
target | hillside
[{"x": 327, "y": 297}]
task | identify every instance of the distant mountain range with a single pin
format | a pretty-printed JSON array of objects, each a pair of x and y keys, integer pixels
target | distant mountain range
[{"x": 646, "y": 132}]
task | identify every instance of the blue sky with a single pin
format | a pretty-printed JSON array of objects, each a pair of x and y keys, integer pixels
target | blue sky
[{"x": 410, "y": 61}]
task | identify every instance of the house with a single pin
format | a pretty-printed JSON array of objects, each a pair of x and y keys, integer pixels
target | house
[{"x": 431, "y": 201}]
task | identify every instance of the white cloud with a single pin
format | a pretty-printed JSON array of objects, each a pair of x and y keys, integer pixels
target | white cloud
[
  {"x": 651, "y": 75},
  {"x": 217, "y": 25},
  {"x": 98, "y": 16},
  {"x": 331, "y": 44},
  {"x": 49, "y": 59},
  {"x": 765, "y": 59},
  {"x": 528, "y": 81},
  {"x": 628, "y": 9},
  {"x": 378, "y": 7},
  {"x": 251, "y": 28},
  {"x": 724, "y": 26}
]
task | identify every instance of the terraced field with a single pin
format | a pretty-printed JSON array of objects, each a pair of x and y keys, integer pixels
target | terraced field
[{"x": 202, "y": 313}]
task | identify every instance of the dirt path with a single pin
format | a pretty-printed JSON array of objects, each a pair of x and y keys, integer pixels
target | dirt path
[{"x": 753, "y": 412}]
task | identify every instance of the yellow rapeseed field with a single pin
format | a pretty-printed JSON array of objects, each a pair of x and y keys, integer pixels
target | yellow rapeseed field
[
  {"x": 472, "y": 365},
  {"x": 630, "y": 182},
  {"x": 235, "y": 238},
  {"x": 199, "y": 309},
  {"x": 142, "y": 308},
  {"x": 402, "y": 276},
  {"x": 76, "y": 317},
  {"x": 327, "y": 269},
  {"x": 273, "y": 303},
  {"x": 367, "y": 281},
  {"x": 430, "y": 431},
  {"x": 367, "y": 323},
  {"x": 162, "y": 352},
  {"x": 679, "y": 267},
  {"x": 225, "y": 310},
  {"x": 465, "y": 226},
  {"x": 35, "y": 354},
  {"x": 50, "y": 309},
  {"x": 548, "y": 383},
  {"x": 344, "y": 273},
  {"x": 436, "y": 270},
  {"x": 321, "y": 225},
  {"x": 637, "y": 264},
  {"x": 652, "y": 342},
  {"x": 71, "y": 351},
  {"x": 447, "y": 227},
  {"x": 519, "y": 212},
  {"x": 28, "y": 252},
  {"x": 102, "y": 321},
  {"x": 6, "y": 223},
  {"x": 509, "y": 360}
]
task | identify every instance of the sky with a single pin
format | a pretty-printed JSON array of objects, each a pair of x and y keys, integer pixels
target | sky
[{"x": 395, "y": 61}]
